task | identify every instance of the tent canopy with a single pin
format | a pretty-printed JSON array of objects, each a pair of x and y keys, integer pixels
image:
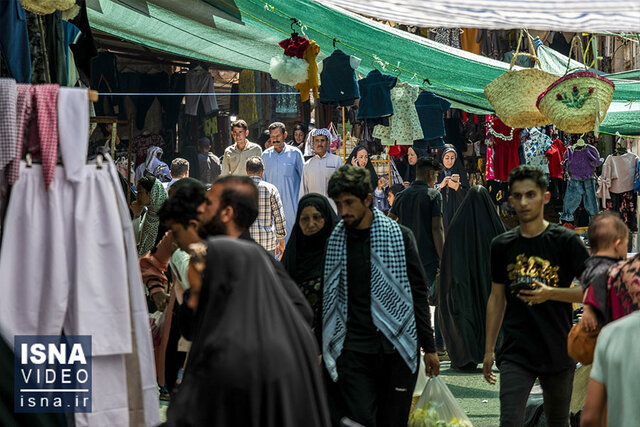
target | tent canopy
[
  {"x": 245, "y": 34},
  {"x": 557, "y": 15}
]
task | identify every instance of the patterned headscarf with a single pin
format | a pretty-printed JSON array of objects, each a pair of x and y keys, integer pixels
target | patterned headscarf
[
  {"x": 152, "y": 153},
  {"x": 151, "y": 221},
  {"x": 321, "y": 131}
]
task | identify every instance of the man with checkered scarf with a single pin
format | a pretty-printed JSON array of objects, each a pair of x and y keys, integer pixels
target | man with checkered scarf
[{"x": 375, "y": 314}]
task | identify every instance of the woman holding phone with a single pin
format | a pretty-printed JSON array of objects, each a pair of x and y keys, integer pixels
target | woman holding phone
[{"x": 454, "y": 184}]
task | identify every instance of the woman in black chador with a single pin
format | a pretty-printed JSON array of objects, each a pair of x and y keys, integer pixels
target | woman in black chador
[
  {"x": 465, "y": 278},
  {"x": 254, "y": 360},
  {"x": 453, "y": 183}
]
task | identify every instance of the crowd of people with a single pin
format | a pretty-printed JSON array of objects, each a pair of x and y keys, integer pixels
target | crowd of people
[{"x": 298, "y": 292}]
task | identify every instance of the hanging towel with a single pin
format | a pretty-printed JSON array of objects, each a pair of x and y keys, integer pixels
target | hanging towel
[{"x": 73, "y": 126}]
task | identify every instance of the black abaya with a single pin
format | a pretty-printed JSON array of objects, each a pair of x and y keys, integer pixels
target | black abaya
[
  {"x": 407, "y": 171},
  {"x": 372, "y": 170},
  {"x": 451, "y": 199},
  {"x": 254, "y": 359},
  {"x": 465, "y": 277}
]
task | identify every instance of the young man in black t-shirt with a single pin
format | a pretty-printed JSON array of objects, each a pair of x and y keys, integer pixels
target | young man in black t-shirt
[{"x": 533, "y": 267}]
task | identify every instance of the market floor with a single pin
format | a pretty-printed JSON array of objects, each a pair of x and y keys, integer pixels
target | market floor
[{"x": 479, "y": 399}]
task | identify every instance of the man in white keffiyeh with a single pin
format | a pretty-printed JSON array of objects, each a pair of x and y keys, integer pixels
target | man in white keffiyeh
[{"x": 375, "y": 313}]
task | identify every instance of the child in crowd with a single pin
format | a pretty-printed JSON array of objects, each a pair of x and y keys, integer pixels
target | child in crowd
[{"x": 608, "y": 238}]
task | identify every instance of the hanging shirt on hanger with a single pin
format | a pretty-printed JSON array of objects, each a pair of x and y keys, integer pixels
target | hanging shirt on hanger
[
  {"x": 554, "y": 155},
  {"x": 430, "y": 108},
  {"x": 339, "y": 85},
  {"x": 619, "y": 174},
  {"x": 535, "y": 145},
  {"x": 581, "y": 164},
  {"x": 506, "y": 144},
  {"x": 200, "y": 80},
  {"x": 375, "y": 95}
]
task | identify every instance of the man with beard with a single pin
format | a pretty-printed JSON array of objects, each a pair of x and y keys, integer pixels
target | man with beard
[
  {"x": 375, "y": 313},
  {"x": 231, "y": 206}
]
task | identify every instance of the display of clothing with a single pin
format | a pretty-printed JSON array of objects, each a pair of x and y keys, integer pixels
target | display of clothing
[
  {"x": 505, "y": 148},
  {"x": 375, "y": 95},
  {"x": 152, "y": 83},
  {"x": 579, "y": 190},
  {"x": 295, "y": 46},
  {"x": 555, "y": 155},
  {"x": 625, "y": 204},
  {"x": 339, "y": 85},
  {"x": 619, "y": 175},
  {"x": 200, "y": 81},
  {"x": 448, "y": 36},
  {"x": 14, "y": 41},
  {"x": 469, "y": 40},
  {"x": 72, "y": 35},
  {"x": 141, "y": 144},
  {"x": 105, "y": 78},
  {"x": 430, "y": 108},
  {"x": 60, "y": 296},
  {"x": 465, "y": 278},
  {"x": 536, "y": 144},
  {"x": 312, "y": 83},
  {"x": 581, "y": 163},
  {"x": 404, "y": 125},
  {"x": 247, "y": 105}
]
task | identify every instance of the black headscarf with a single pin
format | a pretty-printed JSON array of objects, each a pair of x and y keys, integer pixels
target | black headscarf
[
  {"x": 465, "y": 277},
  {"x": 407, "y": 171},
  {"x": 254, "y": 360},
  {"x": 303, "y": 255},
  {"x": 370, "y": 168},
  {"x": 451, "y": 199}
]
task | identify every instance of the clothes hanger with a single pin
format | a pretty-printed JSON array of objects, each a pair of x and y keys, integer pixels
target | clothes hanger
[
  {"x": 580, "y": 144},
  {"x": 294, "y": 21}
]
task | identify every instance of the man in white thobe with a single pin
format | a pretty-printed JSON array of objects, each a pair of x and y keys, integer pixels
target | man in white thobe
[{"x": 318, "y": 169}]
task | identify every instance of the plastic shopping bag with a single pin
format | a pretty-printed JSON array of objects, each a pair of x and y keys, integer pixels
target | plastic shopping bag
[{"x": 438, "y": 408}]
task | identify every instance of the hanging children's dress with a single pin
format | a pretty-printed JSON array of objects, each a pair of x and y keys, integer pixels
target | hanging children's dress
[
  {"x": 580, "y": 164},
  {"x": 405, "y": 124},
  {"x": 375, "y": 98}
]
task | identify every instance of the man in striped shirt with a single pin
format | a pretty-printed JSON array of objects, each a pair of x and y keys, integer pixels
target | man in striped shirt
[{"x": 270, "y": 211}]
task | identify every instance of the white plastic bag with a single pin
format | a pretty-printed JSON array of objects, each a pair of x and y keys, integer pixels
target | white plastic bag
[{"x": 438, "y": 408}]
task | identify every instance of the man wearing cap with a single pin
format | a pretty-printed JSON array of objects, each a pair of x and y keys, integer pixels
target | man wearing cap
[{"x": 318, "y": 169}]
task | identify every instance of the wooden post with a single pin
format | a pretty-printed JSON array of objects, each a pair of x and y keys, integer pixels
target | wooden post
[{"x": 344, "y": 138}]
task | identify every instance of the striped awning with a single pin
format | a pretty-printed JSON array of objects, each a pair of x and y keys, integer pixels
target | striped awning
[{"x": 591, "y": 16}]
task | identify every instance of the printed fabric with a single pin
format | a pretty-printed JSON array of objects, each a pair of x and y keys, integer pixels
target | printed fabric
[
  {"x": 405, "y": 124},
  {"x": 535, "y": 145},
  {"x": 625, "y": 205}
]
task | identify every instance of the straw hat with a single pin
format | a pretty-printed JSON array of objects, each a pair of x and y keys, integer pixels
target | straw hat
[{"x": 45, "y": 7}]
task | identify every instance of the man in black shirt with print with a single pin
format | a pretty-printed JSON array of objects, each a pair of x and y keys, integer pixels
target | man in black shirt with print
[
  {"x": 533, "y": 267},
  {"x": 375, "y": 314}
]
